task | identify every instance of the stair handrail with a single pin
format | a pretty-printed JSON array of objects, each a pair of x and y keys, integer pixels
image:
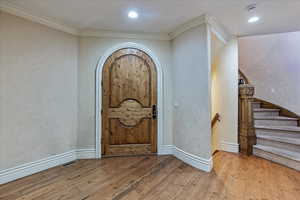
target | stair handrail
[{"x": 215, "y": 119}]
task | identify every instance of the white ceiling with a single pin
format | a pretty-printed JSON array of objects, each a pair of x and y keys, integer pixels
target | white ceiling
[{"x": 162, "y": 16}]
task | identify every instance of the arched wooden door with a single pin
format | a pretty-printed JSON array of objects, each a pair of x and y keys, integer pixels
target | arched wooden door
[{"x": 129, "y": 99}]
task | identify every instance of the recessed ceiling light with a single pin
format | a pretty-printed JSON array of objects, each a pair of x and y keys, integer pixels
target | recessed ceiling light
[
  {"x": 253, "y": 19},
  {"x": 133, "y": 14}
]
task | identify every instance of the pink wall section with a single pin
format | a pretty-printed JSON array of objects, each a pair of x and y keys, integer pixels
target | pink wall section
[{"x": 272, "y": 65}]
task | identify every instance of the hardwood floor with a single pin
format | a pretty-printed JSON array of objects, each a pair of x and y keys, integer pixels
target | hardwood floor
[{"x": 159, "y": 178}]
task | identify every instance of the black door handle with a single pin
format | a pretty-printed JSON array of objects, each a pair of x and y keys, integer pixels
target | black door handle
[{"x": 154, "y": 112}]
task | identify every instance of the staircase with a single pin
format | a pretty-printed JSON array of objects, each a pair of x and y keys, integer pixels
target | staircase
[{"x": 278, "y": 137}]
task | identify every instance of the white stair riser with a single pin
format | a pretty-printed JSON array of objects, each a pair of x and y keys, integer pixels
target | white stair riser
[
  {"x": 256, "y": 105},
  {"x": 266, "y": 113},
  {"x": 268, "y": 132},
  {"x": 276, "y": 158},
  {"x": 281, "y": 145},
  {"x": 272, "y": 122}
]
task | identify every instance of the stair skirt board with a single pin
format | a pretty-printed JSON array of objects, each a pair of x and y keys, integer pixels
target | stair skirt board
[{"x": 277, "y": 158}]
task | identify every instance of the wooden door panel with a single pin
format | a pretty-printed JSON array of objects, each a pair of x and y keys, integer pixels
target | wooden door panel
[
  {"x": 131, "y": 149},
  {"x": 129, "y": 93},
  {"x": 130, "y": 112},
  {"x": 138, "y": 134},
  {"x": 130, "y": 82}
]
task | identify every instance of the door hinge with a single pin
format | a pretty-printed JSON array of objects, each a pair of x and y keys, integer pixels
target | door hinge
[{"x": 101, "y": 111}]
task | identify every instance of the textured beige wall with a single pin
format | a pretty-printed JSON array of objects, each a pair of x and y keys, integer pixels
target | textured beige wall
[
  {"x": 91, "y": 49},
  {"x": 272, "y": 65},
  {"x": 47, "y": 103},
  {"x": 224, "y": 92},
  {"x": 191, "y": 83},
  {"x": 38, "y": 91}
]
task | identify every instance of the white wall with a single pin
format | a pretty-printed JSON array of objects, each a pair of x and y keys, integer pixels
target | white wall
[
  {"x": 225, "y": 94},
  {"x": 191, "y": 89},
  {"x": 38, "y": 91},
  {"x": 91, "y": 49},
  {"x": 272, "y": 65}
]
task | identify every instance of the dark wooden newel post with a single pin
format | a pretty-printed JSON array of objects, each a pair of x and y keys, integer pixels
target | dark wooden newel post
[{"x": 247, "y": 136}]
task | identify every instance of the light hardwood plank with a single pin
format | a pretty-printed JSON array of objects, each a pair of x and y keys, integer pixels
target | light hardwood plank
[{"x": 234, "y": 177}]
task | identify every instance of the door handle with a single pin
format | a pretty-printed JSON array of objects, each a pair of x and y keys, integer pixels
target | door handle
[{"x": 154, "y": 112}]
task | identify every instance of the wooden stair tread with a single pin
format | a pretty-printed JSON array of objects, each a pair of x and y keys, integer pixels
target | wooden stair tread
[
  {"x": 281, "y": 152},
  {"x": 275, "y": 118},
  {"x": 284, "y": 139},
  {"x": 280, "y": 128}
]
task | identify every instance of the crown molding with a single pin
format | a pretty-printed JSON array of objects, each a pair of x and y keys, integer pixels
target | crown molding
[
  {"x": 127, "y": 35},
  {"x": 218, "y": 29},
  {"x": 187, "y": 26},
  {"x": 215, "y": 27},
  {"x": 11, "y": 9}
]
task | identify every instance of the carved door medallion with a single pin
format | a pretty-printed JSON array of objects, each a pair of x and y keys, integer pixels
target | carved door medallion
[{"x": 129, "y": 98}]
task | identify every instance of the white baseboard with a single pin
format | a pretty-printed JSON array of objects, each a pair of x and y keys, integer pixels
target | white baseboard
[
  {"x": 195, "y": 161},
  {"x": 85, "y": 153},
  {"x": 27, "y": 169},
  {"x": 165, "y": 150},
  {"x": 229, "y": 147}
]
